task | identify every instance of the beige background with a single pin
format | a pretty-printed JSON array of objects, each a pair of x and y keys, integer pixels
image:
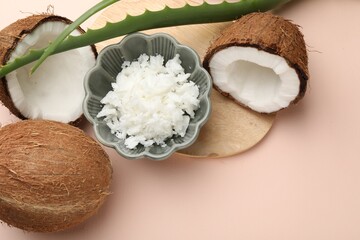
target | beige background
[{"x": 301, "y": 182}]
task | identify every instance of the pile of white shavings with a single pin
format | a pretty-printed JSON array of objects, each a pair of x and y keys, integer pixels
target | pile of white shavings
[{"x": 150, "y": 102}]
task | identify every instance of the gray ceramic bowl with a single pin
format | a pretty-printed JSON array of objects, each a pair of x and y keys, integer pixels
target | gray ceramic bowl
[{"x": 98, "y": 83}]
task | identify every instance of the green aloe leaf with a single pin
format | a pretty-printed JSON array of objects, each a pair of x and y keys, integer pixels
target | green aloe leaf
[{"x": 167, "y": 17}]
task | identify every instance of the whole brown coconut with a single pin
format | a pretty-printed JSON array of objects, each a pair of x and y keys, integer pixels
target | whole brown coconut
[
  {"x": 260, "y": 61},
  {"x": 52, "y": 175},
  {"x": 55, "y": 90}
]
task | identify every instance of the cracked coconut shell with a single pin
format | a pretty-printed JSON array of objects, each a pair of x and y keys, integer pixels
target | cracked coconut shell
[
  {"x": 260, "y": 61},
  {"x": 17, "y": 95}
]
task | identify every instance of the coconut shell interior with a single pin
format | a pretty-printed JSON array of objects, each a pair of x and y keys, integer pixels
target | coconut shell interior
[
  {"x": 10, "y": 37},
  {"x": 270, "y": 33}
]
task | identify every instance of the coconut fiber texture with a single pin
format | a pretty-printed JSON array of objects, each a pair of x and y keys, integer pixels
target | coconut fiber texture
[
  {"x": 10, "y": 37},
  {"x": 270, "y": 33},
  {"x": 52, "y": 175}
]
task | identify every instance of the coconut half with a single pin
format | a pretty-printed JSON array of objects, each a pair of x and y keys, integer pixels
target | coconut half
[
  {"x": 260, "y": 61},
  {"x": 55, "y": 91}
]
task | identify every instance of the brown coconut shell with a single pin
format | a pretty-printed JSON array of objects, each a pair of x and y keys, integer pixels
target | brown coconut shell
[
  {"x": 270, "y": 33},
  {"x": 10, "y": 37},
  {"x": 52, "y": 175}
]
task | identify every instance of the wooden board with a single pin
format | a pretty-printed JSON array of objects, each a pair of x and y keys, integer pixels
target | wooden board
[{"x": 231, "y": 129}]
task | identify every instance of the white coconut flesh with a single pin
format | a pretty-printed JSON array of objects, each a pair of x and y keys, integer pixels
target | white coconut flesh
[
  {"x": 55, "y": 91},
  {"x": 260, "y": 80}
]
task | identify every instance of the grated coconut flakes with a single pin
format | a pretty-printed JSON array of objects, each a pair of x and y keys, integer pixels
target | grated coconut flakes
[{"x": 150, "y": 102}]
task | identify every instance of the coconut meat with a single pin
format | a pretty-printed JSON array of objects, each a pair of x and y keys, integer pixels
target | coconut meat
[
  {"x": 55, "y": 91},
  {"x": 260, "y": 80}
]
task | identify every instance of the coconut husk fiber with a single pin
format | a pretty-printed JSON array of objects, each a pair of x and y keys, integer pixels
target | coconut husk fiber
[{"x": 52, "y": 176}]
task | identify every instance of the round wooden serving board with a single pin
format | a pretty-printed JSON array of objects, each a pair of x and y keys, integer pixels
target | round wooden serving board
[{"x": 231, "y": 128}]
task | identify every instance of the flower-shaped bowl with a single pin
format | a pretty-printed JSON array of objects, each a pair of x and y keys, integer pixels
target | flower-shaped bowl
[{"x": 108, "y": 65}]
